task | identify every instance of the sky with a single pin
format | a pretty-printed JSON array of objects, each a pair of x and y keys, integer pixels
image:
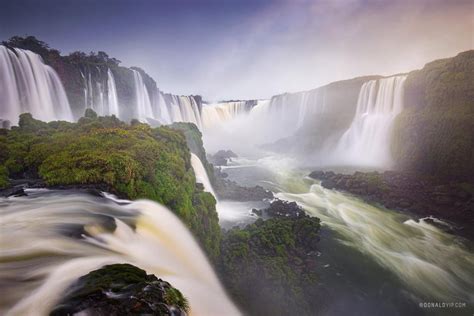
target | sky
[{"x": 245, "y": 49}]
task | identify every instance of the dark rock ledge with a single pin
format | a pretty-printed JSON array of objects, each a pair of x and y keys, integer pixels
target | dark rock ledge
[{"x": 420, "y": 195}]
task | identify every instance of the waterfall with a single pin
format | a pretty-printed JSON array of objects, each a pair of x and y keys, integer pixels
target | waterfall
[
  {"x": 112, "y": 100},
  {"x": 367, "y": 141},
  {"x": 143, "y": 108},
  {"x": 189, "y": 110},
  {"x": 163, "y": 109},
  {"x": 29, "y": 85},
  {"x": 41, "y": 260},
  {"x": 201, "y": 174},
  {"x": 216, "y": 113}
]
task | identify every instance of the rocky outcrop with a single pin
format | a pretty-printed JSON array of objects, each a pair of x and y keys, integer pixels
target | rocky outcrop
[
  {"x": 121, "y": 289},
  {"x": 222, "y": 157},
  {"x": 435, "y": 132},
  {"x": 417, "y": 194},
  {"x": 281, "y": 209},
  {"x": 269, "y": 267},
  {"x": 230, "y": 190}
]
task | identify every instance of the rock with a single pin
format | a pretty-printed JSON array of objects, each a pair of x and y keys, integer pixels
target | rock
[
  {"x": 328, "y": 184},
  {"x": 14, "y": 191},
  {"x": 121, "y": 289},
  {"x": 282, "y": 209},
  {"x": 419, "y": 194},
  {"x": 222, "y": 157},
  {"x": 230, "y": 190},
  {"x": 257, "y": 212}
]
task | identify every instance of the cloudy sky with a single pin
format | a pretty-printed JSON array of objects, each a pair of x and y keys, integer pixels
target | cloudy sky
[{"x": 250, "y": 49}]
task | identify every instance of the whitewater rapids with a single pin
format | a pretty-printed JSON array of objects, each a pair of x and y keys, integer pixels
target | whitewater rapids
[{"x": 50, "y": 238}]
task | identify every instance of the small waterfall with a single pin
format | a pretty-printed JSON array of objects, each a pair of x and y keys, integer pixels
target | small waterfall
[
  {"x": 29, "y": 85},
  {"x": 112, "y": 100},
  {"x": 367, "y": 141},
  {"x": 201, "y": 174},
  {"x": 143, "y": 108},
  {"x": 40, "y": 261}
]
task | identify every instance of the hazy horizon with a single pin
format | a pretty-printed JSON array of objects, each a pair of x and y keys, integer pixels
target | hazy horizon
[{"x": 250, "y": 50}]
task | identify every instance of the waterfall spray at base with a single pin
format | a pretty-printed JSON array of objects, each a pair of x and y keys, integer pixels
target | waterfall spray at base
[
  {"x": 367, "y": 141},
  {"x": 44, "y": 251},
  {"x": 28, "y": 85}
]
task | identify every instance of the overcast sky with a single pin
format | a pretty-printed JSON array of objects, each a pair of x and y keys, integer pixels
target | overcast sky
[{"x": 250, "y": 49}]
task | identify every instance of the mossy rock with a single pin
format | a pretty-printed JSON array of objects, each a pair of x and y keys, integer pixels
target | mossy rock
[{"x": 121, "y": 289}]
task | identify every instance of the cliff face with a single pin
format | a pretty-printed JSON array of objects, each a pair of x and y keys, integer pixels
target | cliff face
[
  {"x": 435, "y": 132},
  {"x": 336, "y": 103},
  {"x": 85, "y": 79}
]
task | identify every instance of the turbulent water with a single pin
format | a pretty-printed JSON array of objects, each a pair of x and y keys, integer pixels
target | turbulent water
[
  {"x": 373, "y": 260},
  {"x": 51, "y": 238},
  {"x": 28, "y": 85}
]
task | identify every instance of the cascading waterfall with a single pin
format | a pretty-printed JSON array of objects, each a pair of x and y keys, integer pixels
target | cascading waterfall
[
  {"x": 367, "y": 141},
  {"x": 201, "y": 174},
  {"x": 112, "y": 100},
  {"x": 143, "y": 108},
  {"x": 163, "y": 109},
  {"x": 50, "y": 239},
  {"x": 245, "y": 128},
  {"x": 29, "y": 85},
  {"x": 189, "y": 110},
  {"x": 216, "y": 113}
]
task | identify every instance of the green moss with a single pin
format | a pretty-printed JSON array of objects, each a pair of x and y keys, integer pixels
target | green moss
[
  {"x": 434, "y": 134},
  {"x": 267, "y": 267},
  {"x": 121, "y": 289},
  {"x": 133, "y": 161}
]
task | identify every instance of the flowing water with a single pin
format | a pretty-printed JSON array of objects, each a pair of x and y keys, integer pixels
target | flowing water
[
  {"x": 367, "y": 141},
  {"x": 28, "y": 85},
  {"x": 143, "y": 109},
  {"x": 201, "y": 174},
  {"x": 373, "y": 260},
  {"x": 112, "y": 99},
  {"x": 51, "y": 238}
]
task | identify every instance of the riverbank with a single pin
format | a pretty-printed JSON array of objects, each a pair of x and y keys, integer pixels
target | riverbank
[{"x": 420, "y": 195}]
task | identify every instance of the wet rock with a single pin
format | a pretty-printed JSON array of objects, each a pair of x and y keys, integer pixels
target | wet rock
[
  {"x": 14, "y": 191},
  {"x": 420, "y": 195},
  {"x": 121, "y": 289},
  {"x": 221, "y": 157}
]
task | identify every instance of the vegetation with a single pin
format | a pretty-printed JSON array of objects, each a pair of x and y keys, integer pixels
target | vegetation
[
  {"x": 76, "y": 68},
  {"x": 269, "y": 266},
  {"x": 434, "y": 134},
  {"x": 122, "y": 289},
  {"x": 132, "y": 161}
]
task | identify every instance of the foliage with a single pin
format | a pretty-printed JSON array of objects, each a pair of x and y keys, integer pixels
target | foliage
[
  {"x": 434, "y": 134},
  {"x": 268, "y": 266},
  {"x": 133, "y": 161},
  {"x": 194, "y": 140},
  {"x": 121, "y": 289}
]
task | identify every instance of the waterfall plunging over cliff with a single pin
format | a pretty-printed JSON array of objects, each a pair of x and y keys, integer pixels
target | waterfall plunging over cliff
[
  {"x": 217, "y": 113},
  {"x": 29, "y": 85},
  {"x": 367, "y": 141},
  {"x": 143, "y": 109},
  {"x": 39, "y": 262},
  {"x": 201, "y": 174},
  {"x": 112, "y": 100}
]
